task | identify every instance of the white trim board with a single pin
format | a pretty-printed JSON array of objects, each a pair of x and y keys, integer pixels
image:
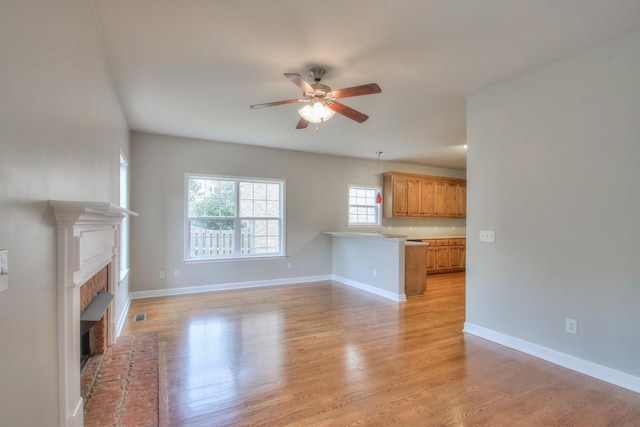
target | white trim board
[
  {"x": 621, "y": 379},
  {"x": 123, "y": 317},
  {"x": 259, "y": 284},
  {"x": 371, "y": 289},
  {"x": 226, "y": 287}
]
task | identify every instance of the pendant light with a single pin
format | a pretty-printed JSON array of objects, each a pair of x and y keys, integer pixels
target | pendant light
[{"x": 379, "y": 195}]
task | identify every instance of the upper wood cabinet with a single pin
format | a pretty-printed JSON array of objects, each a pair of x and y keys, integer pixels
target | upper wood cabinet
[
  {"x": 398, "y": 205},
  {"x": 412, "y": 195},
  {"x": 456, "y": 199}
]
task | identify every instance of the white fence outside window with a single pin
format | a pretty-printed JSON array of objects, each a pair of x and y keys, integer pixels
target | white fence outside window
[{"x": 206, "y": 243}]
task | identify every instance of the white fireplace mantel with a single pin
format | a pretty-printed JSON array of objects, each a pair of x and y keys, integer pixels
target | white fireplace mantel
[{"x": 88, "y": 240}]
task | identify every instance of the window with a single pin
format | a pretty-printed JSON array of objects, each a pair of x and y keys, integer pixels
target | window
[
  {"x": 231, "y": 217},
  {"x": 363, "y": 209}
]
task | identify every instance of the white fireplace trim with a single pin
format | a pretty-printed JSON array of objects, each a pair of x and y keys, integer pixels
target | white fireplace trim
[{"x": 88, "y": 240}]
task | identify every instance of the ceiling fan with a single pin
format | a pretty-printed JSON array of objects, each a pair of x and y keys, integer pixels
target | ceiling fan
[{"x": 320, "y": 100}]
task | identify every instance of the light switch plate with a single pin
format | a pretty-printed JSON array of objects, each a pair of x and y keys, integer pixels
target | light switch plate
[
  {"x": 4, "y": 270},
  {"x": 488, "y": 236}
]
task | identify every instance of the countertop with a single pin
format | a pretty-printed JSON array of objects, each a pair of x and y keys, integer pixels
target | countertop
[
  {"x": 374, "y": 235},
  {"x": 364, "y": 235},
  {"x": 409, "y": 238}
]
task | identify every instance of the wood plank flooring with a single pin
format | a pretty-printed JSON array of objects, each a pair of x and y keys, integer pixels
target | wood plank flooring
[{"x": 325, "y": 354}]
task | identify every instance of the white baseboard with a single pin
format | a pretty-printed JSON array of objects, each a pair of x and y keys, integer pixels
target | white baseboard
[
  {"x": 371, "y": 289},
  {"x": 255, "y": 284},
  {"x": 226, "y": 287},
  {"x": 594, "y": 370},
  {"x": 123, "y": 317},
  {"x": 75, "y": 418}
]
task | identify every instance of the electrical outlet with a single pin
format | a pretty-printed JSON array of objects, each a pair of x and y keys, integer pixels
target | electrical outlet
[
  {"x": 163, "y": 274},
  {"x": 571, "y": 326},
  {"x": 289, "y": 266},
  {"x": 176, "y": 273},
  {"x": 488, "y": 236},
  {"x": 374, "y": 273}
]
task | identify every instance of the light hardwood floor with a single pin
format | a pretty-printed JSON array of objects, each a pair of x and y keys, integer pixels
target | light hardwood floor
[{"x": 325, "y": 354}]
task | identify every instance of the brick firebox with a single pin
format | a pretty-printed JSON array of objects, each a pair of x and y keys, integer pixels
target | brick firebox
[{"x": 88, "y": 291}]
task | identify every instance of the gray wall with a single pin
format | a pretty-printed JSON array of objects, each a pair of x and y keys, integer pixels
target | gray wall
[
  {"x": 61, "y": 129},
  {"x": 553, "y": 168},
  {"x": 316, "y": 201},
  {"x": 355, "y": 259}
]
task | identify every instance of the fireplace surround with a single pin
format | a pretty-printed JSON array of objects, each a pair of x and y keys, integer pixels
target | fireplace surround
[{"x": 88, "y": 242}]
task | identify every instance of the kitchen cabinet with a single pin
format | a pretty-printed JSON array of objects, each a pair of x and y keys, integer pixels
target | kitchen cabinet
[
  {"x": 456, "y": 199},
  {"x": 407, "y": 196},
  {"x": 440, "y": 199},
  {"x": 427, "y": 197},
  {"x": 414, "y": 199},
  {"x": 396, "y": 196},
  {"x": 446, "y": 255},
  {"x": 424, "y": 196},
  {"x": 442, "y": 255},
  {"x": 431, "y": 257},
  {"x": 415, "y": 269},
  {"x": 420, "y": 195},
  {"x": 455, "y": 251}
]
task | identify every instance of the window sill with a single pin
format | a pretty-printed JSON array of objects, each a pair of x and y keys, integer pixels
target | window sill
[{"x": 250, "y": 258}]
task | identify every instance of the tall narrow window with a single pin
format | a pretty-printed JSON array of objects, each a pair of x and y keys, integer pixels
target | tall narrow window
[
  {"x": 231, "y": 217},
  {"x": 363, "y": 209},
  {"x": 124, "y": 225}
]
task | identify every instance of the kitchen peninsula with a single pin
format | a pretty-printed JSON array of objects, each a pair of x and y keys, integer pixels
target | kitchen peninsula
[{"x": 373, "y": 262}]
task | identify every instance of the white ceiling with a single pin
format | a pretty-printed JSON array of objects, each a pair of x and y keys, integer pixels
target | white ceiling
[{"x": 191, "y": 68}]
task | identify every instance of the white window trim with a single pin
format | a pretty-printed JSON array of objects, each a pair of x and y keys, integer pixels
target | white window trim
[
  {"x": 378, "y": 223},
  {"x": 202, "y": 260},
  {"x": 125, "y": 233}
]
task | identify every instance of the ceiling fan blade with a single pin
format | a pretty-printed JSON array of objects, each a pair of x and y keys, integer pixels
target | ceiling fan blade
[
  {"x": 272, "y": 104},
  {"x": 302, "y": 123},
  {"x": 300, "y": 82},
  {"x": 367, "y": 89},
  {"x": 348, "y": 112}
]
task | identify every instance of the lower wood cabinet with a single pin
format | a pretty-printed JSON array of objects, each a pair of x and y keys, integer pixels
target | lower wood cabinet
[
  {"x": 446, "y": 255},
  {"x": 415, "y": 270}
]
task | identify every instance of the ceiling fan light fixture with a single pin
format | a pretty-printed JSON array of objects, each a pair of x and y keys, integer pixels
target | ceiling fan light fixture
[
  {"x": 316, "y": 112},
  {"x": 321, "y": 100}
]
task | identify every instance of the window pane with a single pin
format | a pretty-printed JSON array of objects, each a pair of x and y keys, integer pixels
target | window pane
[
  {"x": 273, "y": 209},
  {"x": 363, "y": 209},
  {"x": 211, "y": 237},
  {"x": 259, "y": 208},
  {"x": 211, "y": 197},
  {"x": 362, "y": 196},
  {"x": 259, "y": 199},
  {"x": 246, "y": 190},
  {"x": 260, "y": 236},
  {"x": 273, "y": 192},
  {"x": 260, "y": 191}
]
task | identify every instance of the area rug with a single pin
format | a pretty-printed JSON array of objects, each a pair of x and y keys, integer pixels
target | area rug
[{"x": 120, "y": 388}]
